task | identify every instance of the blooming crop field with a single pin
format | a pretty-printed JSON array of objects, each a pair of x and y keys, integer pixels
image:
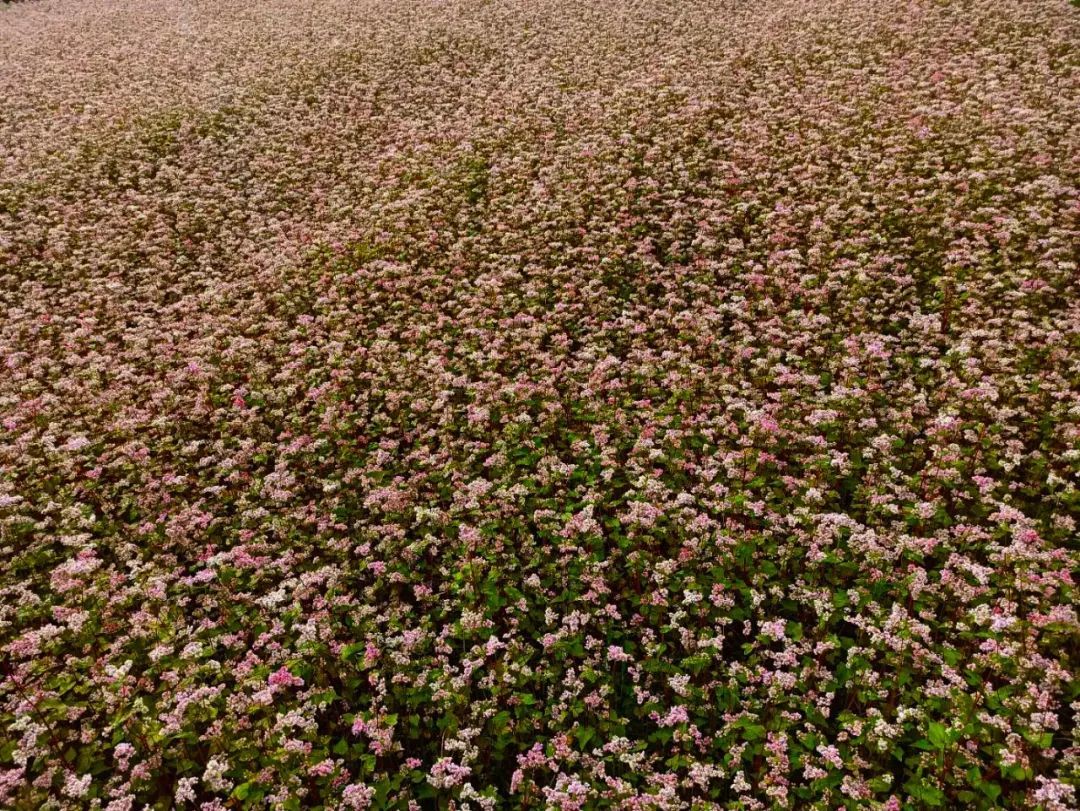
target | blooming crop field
[{"x": 487, "y": 404}]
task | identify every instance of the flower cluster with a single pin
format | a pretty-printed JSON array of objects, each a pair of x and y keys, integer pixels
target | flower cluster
[{"x": 664, "y": 404}]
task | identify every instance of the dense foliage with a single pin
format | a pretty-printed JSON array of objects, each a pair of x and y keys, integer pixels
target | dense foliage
[{"x": 542, "y": 404}]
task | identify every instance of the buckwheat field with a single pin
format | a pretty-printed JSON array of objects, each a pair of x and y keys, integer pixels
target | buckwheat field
[{"x": 496, "y": 404}]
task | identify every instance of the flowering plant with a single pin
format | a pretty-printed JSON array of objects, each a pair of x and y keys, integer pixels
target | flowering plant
[{"x": 541, "y": 405}]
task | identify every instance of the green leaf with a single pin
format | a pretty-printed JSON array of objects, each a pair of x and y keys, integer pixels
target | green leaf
[
  {"x": 1043, "y": 740},
  {"x": 938, "y": 734},
  {"x": 754, "y": 732},
  {"x": 584, "y": 735},
  {"x": 242, "y": 791},
  {"x": 662, "y": 735},
  {"x": 500, "y": 721},
  {"x": 924, "y": 792},
  {"x": 349, "y": 650},
  {"x": 991, "y": 790}
]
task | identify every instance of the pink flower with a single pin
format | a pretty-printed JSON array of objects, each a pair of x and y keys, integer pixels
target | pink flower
[
  {"x": 357, "y": 796},
  {"x": 76, "y": 786},
  {"x": 371, "y": 653},
  {"x": 774, "y": 629},
  {"x": 447, "y": 774},
  {"x": 283, "y": 678},
  {"x": 675, "y": 716}
]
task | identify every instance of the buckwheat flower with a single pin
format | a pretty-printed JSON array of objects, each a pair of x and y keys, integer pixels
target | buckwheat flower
[
  {"x": 447, "y": 774},
  {"x": 357, "y": 796},
  {"x": 774, "y": 629},
  {"x": 263, "y": 697},
  {"x": 193, "y": 650},
  {"x": 214, "y": 775},
  {"x": 421, "y": 590},
  {"x": 123, "y": 752},
  {"x": 76, "y": 443},
  {"x": 676, "y": 715},
  {"x": 1001, "y": 622},
  {"x": 768, "y": 424},
  {"x": 185, "y": 790},
  {"x": 739, "y": 784},
  {"x": 283, "y": 678},
  {"x": 323, "y": 768},
  {"x": 831, "y": 755},
  {"x": 296, "y": 746},
  {"x": 76, "y": 786},
  {"x": 123, "y": 803},
  {"x": 1054, "y": 795},
  {"x": 371, "y": 654},
  {"x": 470, "y": 535}
]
